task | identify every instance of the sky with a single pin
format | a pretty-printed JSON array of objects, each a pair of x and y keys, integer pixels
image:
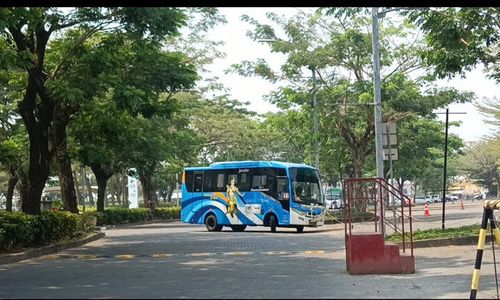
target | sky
[{"x": 239, "y": 47}]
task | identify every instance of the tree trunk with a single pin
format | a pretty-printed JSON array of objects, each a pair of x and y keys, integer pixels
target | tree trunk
[
  {"x": 66, "y": 181},
  {"x": 13, "y": 179},
  {"x": 125, "y": 189},
  {"x": 360, "y": 203},
  {"x": 102, "y": 178},
  {"x": 88, "y": 183},
  {"x": 37, "y": 115},
  {"x": 148, "y": 190},
  {"x": 77, "y": 188},
  {"x": 171, "y": 190}
]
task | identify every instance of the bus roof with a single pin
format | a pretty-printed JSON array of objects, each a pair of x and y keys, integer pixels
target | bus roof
[{"x": 250, "y": 164}]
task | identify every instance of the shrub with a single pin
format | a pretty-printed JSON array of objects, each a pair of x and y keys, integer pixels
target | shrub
[
  {"x": 18, "y": 230},
  {"x": 87, "y": 222},
  {"x": 167, "y": 213},
  {"x": 120, "y": 215}
]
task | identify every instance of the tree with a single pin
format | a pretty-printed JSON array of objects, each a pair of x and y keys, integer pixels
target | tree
[
  {"x": 336, "y": 46},
  {"x": 100, "y": 138},
  {"x": 460, "y": 38},
  {"x": 28, "y": 30},
  {"x": 482, "y": 162}
]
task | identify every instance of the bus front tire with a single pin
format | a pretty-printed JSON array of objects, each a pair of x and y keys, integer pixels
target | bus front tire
[
  {"x": 211, "y": 223},
  {"x": 300, "y": 228},
  {"x": 238, "y": 228},
  {"x": 273, "y": 223}
]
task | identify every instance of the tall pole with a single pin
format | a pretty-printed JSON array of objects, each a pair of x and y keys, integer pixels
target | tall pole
[
  {"x": 177, "y": 187},
  {"x": 379, "y": 156},
  {"x": 376, "y": 92},
  {"x": 445, "y": 162},
  {"x": 315, "y": 120}
]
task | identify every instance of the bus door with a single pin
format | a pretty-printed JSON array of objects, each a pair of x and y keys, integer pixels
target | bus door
[{"x": 283, "y": 192}]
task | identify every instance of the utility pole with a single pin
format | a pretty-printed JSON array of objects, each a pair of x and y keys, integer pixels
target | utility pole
[
  {"x": 377, "y": 96},
  {"x": 379, "y": 156},
  {"x": 445, "y": 162},
  {"x": 315, "y": 119}
]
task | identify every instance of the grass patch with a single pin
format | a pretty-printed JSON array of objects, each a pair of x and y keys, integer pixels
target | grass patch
[
  {"x": 438, "y": 233},
  {"x": 339, "y": 215}
]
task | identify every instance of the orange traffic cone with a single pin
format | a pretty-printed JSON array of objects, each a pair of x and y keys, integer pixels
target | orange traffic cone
[
  {"x": 461, "y": 204},
  {"x": 426, "y": 210}
]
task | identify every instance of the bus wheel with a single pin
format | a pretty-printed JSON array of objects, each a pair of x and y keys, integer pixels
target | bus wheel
[
  {"x": 300, "y": 228},
  {"x": 238, "y": 228},
  {"x": 211, "y": 223},
  {"x": 273, "y": 223}
]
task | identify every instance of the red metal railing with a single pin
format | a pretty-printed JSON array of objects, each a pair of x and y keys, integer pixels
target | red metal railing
[{"x": 366, "y": 192}]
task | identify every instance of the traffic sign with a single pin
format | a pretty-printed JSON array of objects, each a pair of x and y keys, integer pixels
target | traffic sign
[{"x": 393, "y": 152}]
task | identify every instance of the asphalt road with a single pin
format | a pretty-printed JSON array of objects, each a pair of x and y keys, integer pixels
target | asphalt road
[{"x": 176, "y": 260}]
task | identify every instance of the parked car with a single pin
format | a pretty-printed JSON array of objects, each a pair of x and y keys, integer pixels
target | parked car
[{"x": 422, "y": 200}]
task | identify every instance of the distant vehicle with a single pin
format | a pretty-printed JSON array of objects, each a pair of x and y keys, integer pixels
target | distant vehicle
[
  {"x": 333, "y": 198},
  {"x": 422, "y": 200},
  {"x": 333, "y": 202}
]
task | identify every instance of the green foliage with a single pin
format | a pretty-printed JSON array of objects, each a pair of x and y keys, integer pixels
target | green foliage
[
  {"x": 460, "y": 38},
  {"x": 16, "y": 230},
  {"x": 336, "y": 45},
  {"x": 118, "y": 215},
  {"x": 19, "y": 230},
  {"x": 167, "y": 213},
  {"x": 437, "y": 233},
  {"x": 481, "y": 162}
]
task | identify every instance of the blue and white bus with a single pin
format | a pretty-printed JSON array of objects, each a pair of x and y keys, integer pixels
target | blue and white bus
[{"x": 238, "y": 194}]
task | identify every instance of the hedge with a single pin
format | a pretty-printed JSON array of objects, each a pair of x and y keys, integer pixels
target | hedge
[
  {"x": 19, "y": 230},
  {"x": 119, "y": 215}
]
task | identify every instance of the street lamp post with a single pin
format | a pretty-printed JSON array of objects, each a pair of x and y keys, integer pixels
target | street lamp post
[
  {"x": 315, "y": 119},
  {"x": 377, "y": 96},
  {"x": 379, "y": 156}
]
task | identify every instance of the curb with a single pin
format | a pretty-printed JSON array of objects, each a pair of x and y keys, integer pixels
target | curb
[{"x": 59, "y": 246}]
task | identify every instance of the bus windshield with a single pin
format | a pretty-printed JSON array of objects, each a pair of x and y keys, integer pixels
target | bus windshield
[{"x": 306, "y": 186}]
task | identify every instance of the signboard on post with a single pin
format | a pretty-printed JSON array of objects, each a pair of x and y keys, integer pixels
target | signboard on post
[
  {"x": 133, "y": 193},
  {"x": 389, "y": 134},
  {"x": 392, "y": 152}
]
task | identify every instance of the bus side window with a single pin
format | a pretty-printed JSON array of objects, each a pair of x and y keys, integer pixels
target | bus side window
[
  {"x": 209, "y": 181},
  {"x": 244, "y": 182},
  {"x": 221, "y": 185},
  {"x": 230, "y": 177},
  {"x": 198, "y": 182},
  {"x": 189, "y": 181}
]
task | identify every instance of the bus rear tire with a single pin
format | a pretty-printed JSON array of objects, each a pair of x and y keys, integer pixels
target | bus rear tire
[
  {"x": 300, "y": 228},
  {"x": 273, "y": 223},
  {"x": 238, "y": 228},
  {"x": 211, "y": 223}
]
